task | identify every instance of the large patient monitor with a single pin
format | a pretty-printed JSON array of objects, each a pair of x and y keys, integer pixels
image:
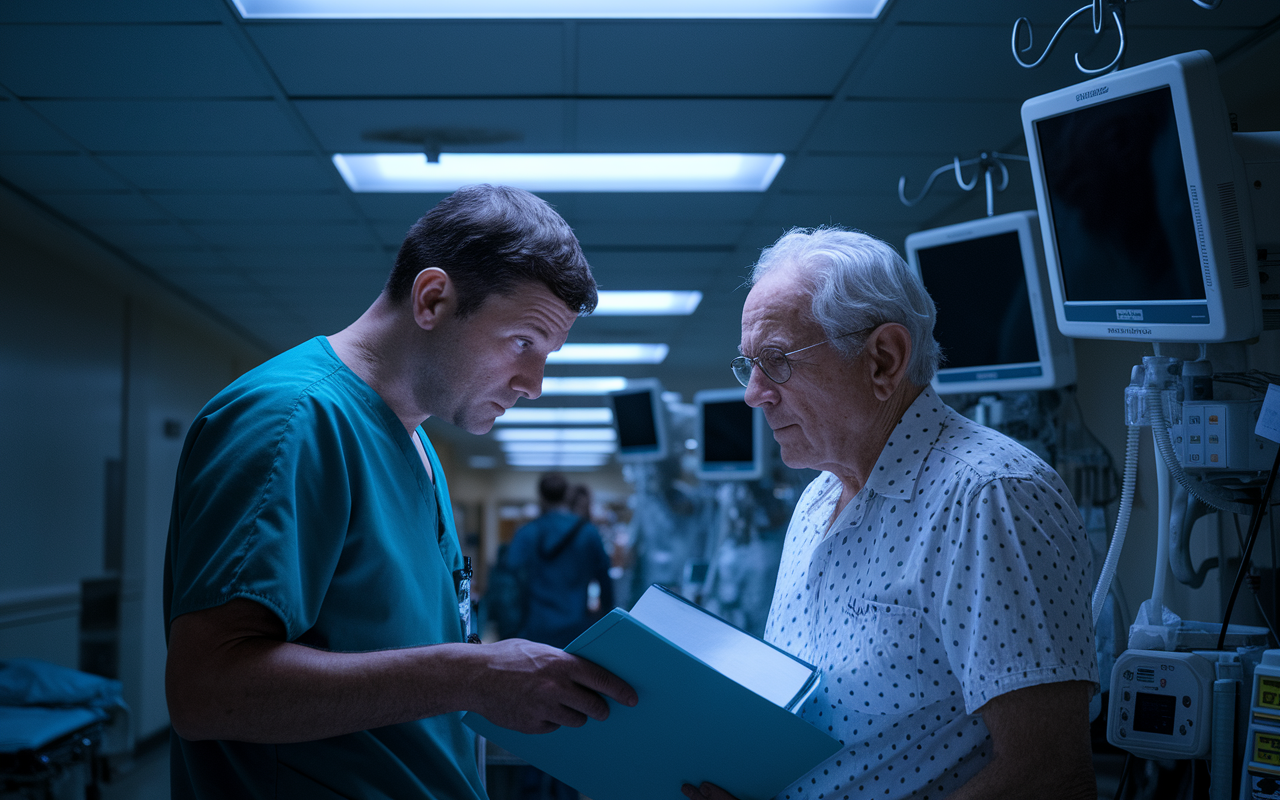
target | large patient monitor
[
  {"x": 1144, "y": 207},
  {"x": 995, "y": 320}
]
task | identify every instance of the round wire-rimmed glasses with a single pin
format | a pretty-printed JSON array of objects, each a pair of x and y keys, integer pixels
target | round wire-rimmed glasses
[{"x": 773, "y": 362}]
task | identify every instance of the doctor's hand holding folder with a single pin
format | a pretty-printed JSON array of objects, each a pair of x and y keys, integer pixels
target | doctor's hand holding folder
[{"x": 716, "y": 707}]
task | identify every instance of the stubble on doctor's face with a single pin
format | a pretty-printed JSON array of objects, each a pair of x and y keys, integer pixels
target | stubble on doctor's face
[{"x": 496, "y": 355}]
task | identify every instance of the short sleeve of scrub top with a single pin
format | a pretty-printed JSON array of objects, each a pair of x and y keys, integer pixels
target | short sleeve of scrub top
[{"x": 299, "y": 489}]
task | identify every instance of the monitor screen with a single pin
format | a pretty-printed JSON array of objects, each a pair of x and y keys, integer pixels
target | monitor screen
[
  {"x": 730, "y": 436},
  {"x": 994, "y": 320},
  {"x": 1124, "y": 227},
  {"x": 640, "y": 419},
  {"x": 1143, "y": 206}
]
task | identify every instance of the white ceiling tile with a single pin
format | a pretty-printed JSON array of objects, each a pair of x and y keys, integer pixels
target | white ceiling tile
[
  {"x": 107, "y": 207},
  {"x": 722, "y": 59},
  {"x": 176, "y": 126},
  {"x": 303, "y": 261},
  {"x": 38, "y": 172},
  {"x": 274, "y": 236},
  {"x": 976, "y": 62},
  {"x": 868, "y": 175},
  {"x": 400, "y": 208},
  {"x": 260, "y": 207},
  {"x": 414, "y": 58},
  {"x": 89, "y": 11},
  {"x": 663, "y": 208},
  {"x": 626, "y": 232},
  {"x": 125, "y": 61},
  {"x": 694, "y": 126},
  {"x": 959, "y": 63},
  {"x": 145, "y": 236},
  {"x": 811, "y": 210},
  {"x": 1180, "y": 13},
  {"x": 903, "y": 126},
  {"x": 22, "y": 130},
  {"x": 168, "y": 263},
  {"x": 1184, "y": 13},
  {"x": 359, "y": 126},
  {"x": 655, "y": 269},
  {"x": 391, "y": 234},
  {"x": 226, "y": 173}
]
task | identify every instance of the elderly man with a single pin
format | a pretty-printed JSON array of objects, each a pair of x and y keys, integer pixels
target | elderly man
[
  {"x": 316, "y": 646},
  {"x": 936, "y": 571}
]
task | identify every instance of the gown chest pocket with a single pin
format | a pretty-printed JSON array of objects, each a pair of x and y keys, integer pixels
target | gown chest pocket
[{"x": 877, "y": 658}]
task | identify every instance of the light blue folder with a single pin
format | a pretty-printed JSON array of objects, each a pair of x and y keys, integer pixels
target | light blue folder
[{"x": 692, "y": 724}]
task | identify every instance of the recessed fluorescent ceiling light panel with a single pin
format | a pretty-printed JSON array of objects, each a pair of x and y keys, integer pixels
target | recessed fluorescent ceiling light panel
[
  {"x": 555, "y": 435},
  {"x": 561, "y": 172},
  {"x": 557, "y": 416},
  {"x": 581, "y": 387},
  {"x": 609, "y": 354},
  {"x": 560, "y": 9},
  {"x": 559, "y": 447},
  {"x": 557, "y": 460},
  {"x": 636, "y": 304}
]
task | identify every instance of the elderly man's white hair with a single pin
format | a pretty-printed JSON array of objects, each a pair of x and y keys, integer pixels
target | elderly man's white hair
[{"x": 858, "y": 282}]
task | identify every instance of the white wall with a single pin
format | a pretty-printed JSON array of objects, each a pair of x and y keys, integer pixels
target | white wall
[{"x": 94, "y": 360}]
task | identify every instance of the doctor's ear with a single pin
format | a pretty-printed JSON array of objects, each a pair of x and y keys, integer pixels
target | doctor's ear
[
  {"x": 888, "y": 351},
  {"x": 433, "y": 297}
]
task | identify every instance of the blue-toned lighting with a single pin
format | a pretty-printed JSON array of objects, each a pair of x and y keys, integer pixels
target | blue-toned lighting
[
  {"x": 559, "y": 447},
  {"x": 560, "y": 460},
  {"x": 557, "y": 416},
  {"x": 581, "y": 387},
  {"x": 609, "y": 354},
  {"x": 561, "y": 172},
  {"x": 555, "y": 435},
  {"x": 619, "y": 303},
  {"x": 560, "y": 9}
]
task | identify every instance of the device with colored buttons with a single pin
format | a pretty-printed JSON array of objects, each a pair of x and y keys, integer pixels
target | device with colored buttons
[
  {"x": 1161, "y": 704},
  {"x": 1261, "y": 769},
  {"x": 1218, "y": 435}
]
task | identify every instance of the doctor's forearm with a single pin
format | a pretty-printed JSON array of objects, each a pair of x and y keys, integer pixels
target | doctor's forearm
[
  {"x": 277, "y": 692},
  {"x": 231, "y": 675}
]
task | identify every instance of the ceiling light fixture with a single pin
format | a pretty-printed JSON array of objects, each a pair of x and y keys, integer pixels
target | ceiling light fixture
[
  {"x": 557, "y": 459},
  {"x": 557, "y": 416},
  {"x": 555, "y": 435},
  {"x": 559, "y": 447},
  {"x": 561, "y": 172},
  {"x": 616, "y": 303},
  {"x": 559, "y": 9},
  {"x": 605, "y": 353},
  {"x": 581, "y": 387}
]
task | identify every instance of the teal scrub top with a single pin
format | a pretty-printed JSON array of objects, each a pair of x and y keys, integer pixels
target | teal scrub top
[{"x": 298, "y": 488}]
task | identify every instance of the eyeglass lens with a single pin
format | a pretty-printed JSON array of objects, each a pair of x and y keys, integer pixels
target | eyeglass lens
[{"x": 772, "y": 361}]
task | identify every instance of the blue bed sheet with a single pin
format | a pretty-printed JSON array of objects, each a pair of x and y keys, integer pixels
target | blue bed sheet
[{"x": 33, "y": 727}]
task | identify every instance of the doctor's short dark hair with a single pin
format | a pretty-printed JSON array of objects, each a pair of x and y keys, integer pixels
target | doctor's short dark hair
[{"x": 489, "y": 240}]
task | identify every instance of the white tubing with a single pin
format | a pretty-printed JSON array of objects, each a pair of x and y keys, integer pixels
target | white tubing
[
  {"x": 1164, "y": 499},
  {"x": 1108, "y": 573}
]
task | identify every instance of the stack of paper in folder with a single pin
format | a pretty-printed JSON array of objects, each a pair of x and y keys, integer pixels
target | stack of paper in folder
[{"x": 715, "y": 705}]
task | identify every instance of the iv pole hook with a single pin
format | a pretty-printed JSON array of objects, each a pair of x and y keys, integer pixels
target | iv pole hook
[{"x": 1116, "y": 7}]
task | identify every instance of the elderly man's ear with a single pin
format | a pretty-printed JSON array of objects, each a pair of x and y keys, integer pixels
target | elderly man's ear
[{"x": 888, "y": 352}]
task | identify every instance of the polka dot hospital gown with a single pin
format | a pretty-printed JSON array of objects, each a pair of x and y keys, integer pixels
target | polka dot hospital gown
[{"x": 958, "y": 573}]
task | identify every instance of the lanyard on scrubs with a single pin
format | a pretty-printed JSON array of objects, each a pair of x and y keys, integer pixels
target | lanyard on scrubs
[{"x": 462, "y": 580}]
